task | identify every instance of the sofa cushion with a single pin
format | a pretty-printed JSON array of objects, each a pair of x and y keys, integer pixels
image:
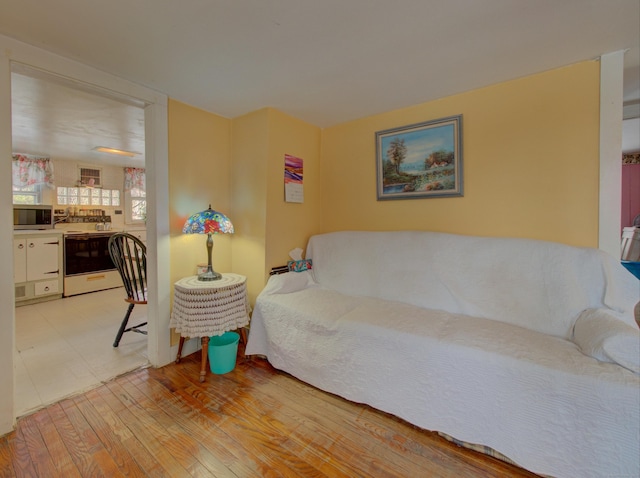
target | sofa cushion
[
  {"x": 602, "y": 336},
  {"x": 289, "y": 282}
]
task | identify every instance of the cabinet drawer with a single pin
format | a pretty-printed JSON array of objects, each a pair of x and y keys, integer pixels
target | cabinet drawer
[
  {"x": 46, "y": 287},
  {"x": 81, "y": 283}
]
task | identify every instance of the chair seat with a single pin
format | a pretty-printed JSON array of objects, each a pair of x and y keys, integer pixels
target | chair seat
[
  {"x": 138, "y": 297},
  {"x": 138, "y": 302}
]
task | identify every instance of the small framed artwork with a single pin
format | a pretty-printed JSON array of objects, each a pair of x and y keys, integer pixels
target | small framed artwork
[{"x": 421, "y": 160}]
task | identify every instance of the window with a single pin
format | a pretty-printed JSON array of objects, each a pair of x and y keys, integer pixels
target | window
[
  {"x": 135, "y": 196},
  {"x": 88, "y": 196},
  {"x": 136, "y": 206},
  {"x": 89, "y": 177},
  {"x": 27, "y": 195}
]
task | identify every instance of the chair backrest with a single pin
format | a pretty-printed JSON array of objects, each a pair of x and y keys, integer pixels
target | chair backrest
[{"x": 129, "y": 255}]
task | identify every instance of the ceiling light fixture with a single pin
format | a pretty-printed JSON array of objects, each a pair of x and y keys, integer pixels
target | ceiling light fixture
[{"x": 120, "y": 152}]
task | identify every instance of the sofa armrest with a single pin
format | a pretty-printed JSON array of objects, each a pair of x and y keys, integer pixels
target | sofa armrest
[
  {"x": 603, "y": 336},
  {"x": 289, "y": 282}
]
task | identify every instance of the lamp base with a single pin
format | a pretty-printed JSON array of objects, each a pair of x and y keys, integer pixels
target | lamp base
[{"x": 210, "y": 275}]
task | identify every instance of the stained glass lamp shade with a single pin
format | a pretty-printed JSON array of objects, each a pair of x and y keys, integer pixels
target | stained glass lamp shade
[{"x": 208, "y": 222}]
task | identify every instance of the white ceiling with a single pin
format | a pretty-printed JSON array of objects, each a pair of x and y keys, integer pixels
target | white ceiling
[
  {"x": 324, "y": 61},
  {"x": 51, "y": 117}
]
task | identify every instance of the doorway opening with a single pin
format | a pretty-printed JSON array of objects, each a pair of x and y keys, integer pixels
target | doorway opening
[{"x": 64, "y": 345}]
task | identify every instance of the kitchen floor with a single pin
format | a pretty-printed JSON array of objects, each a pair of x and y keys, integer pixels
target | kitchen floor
[{"x": 65, "y": 346}]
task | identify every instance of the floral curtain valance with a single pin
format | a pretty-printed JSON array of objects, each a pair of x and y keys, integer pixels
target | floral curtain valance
[
  {"x": 28, "y": 170},
  {"x": 135, "y": 178}
]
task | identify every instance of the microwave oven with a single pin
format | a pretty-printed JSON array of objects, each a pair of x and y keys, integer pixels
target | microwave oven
[{"x": 30, "y": 216}]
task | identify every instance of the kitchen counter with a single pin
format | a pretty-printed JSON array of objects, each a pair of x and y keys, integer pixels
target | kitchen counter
[
  {"x": 74, "y": 229},
  {"x": 48, "y": 232},
  {"x": 89, "y": 232}
]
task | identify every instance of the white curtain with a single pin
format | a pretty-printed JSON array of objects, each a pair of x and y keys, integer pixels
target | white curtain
[{"x": 30, "y": 170}]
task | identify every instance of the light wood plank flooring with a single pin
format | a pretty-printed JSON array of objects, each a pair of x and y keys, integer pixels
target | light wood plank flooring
[{"x": 252, "y": 422}]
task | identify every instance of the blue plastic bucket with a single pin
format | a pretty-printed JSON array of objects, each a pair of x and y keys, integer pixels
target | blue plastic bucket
[
  {"x": 222, "y": 352},
  {"x": 633, "y": 267}
]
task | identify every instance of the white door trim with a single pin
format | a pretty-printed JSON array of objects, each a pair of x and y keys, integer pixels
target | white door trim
[
  {"x": 156, "y": 150},
  {"x": 610, "y": 203}
]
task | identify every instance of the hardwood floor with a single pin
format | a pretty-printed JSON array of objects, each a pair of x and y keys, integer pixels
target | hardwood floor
[{"x": 254, "y": 421}]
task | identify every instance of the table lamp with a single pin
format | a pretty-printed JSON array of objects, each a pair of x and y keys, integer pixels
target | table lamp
[{"x": 208, "y": 222}]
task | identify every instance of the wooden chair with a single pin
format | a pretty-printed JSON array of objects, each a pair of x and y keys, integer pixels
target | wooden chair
[{"x": 129, "y": 255}]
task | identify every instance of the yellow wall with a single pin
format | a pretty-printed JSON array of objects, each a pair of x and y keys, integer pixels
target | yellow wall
[
  {"x": 291, "y": 224},
  {"x": 199, "y": 175},
  {"x": 249, "y": 191},
  {"x": 530, "y": 159},
  {"x": 237, "y": 166},
  {"x": 267, "y": 228}
]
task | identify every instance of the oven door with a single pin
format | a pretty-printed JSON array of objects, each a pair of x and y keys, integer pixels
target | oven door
[
  {"x": 86, "y": 254},
  {"x": 87, "y": 264}
]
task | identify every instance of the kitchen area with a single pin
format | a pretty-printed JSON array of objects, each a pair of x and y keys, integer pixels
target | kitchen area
[
  {"x": 72, "y": 190},
  {"x": 62, "y": 262},
  {"x": 60, "y": 248}
]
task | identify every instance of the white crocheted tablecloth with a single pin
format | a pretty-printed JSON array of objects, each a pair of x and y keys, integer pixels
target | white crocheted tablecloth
[{"x": 209, "y": 308}]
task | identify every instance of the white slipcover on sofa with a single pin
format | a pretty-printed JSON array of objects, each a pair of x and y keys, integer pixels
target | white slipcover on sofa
[{"x": 527, "y": 347}]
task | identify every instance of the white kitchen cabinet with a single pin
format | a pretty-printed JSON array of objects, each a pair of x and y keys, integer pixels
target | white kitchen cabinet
[
  {"x": 42, "y": 258},
  {"x": 37, "y": 266},
  {"x": 19, "y": 260}
]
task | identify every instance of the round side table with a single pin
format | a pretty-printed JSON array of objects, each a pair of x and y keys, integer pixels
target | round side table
[{"x": 208, "y": 308}]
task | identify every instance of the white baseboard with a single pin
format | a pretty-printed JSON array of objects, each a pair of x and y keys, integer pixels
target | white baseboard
[{"x": 190, "y": 346}]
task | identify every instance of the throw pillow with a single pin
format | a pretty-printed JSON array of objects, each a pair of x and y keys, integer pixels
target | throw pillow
[{"x": 601, "y": 335}]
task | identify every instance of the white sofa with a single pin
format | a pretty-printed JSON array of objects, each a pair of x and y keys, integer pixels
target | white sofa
[{"x": 527, "y": 347}]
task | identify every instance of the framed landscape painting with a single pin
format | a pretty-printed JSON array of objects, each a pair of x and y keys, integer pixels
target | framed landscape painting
[{"x": 420, "y": 161}]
